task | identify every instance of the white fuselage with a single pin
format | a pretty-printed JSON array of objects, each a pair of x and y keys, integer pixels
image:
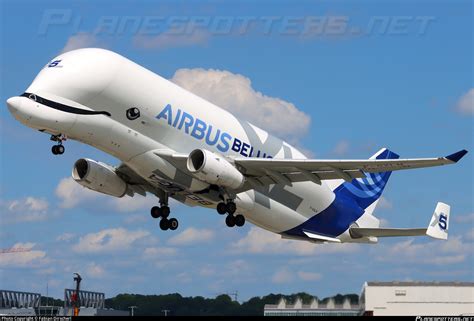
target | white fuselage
[{"x": 171, "y": 118}]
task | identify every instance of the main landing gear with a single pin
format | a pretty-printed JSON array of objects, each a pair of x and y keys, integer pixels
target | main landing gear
[
  {"x": 163, "y": 211},
  {"x": 230, "y": 208},
  {"x": 59, "y": 148}
]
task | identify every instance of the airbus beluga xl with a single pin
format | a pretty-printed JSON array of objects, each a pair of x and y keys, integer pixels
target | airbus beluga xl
[{"x": 172, "y": 143}]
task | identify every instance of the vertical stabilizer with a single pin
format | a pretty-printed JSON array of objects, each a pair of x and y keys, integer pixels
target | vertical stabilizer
[{"x": 439, "y": 224}]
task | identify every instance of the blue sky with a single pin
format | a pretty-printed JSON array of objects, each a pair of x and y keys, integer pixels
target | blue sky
[{"x": 367, "y": 76}]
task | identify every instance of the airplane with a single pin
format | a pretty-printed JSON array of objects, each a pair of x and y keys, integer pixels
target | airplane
[{"x": 175, "y": 144}]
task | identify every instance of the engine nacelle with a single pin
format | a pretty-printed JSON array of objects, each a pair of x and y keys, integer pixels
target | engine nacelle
[
  {"x": 98, "y": 177},
  {"x": 214, "y": 169}
]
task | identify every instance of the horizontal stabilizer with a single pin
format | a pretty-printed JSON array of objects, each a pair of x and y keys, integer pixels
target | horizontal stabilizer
[
  {"x": 358, "y": 232},
  {"x": 437, "y": 229}
]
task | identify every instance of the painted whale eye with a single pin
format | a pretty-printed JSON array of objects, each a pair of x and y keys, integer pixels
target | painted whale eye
[{"x": 133, "y": 113}]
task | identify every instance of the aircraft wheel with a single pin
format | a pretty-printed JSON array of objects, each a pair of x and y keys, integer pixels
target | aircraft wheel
[
  {"x": 230, "y": 220},
  {"x": 165, "y": 211},
  {"x": 173, "y": 224},
  {"x": 164, "y": 224},
  {"x": 231, "y": 208},
  {"x": 60, "y": 149},
  {"x": 155, "y": 212},
  {"x": 221, "y": 208},
  {"x": 239, "y": 220},
  {"x": 54, "y": 149}
]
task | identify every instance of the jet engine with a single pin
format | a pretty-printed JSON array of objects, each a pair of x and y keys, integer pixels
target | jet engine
[
  {"x": 98, "y": 177},
  {"x": 214, "y": 169}
]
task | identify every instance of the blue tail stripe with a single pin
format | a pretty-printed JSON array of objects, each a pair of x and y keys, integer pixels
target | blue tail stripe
[
  {"x": 349, "y": 204},
  {"x": 365, "y": 193}
]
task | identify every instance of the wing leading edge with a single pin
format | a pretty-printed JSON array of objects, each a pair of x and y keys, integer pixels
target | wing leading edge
[{"x": 264, "y": 171}]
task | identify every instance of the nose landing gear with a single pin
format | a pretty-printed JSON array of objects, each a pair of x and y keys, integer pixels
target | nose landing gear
[{"x": 57, "y": 149}]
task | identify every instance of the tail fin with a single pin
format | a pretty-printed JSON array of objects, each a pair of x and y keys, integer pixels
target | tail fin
[
  {"x": 439, "y": 224},
  {"x": 367, "y": 191}
]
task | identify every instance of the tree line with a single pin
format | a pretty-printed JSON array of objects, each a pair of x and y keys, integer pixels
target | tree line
[{"x": 175, "y": 304}]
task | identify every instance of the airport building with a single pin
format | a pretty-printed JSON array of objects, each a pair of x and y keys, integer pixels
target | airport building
[
  {"x": 417, "y": 298},
  {"x": 389, "y": 298},
  {"x": 314, "y": 308}
]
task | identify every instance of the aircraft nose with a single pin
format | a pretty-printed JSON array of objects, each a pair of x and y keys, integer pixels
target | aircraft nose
[{"x": 14, "y": 104}]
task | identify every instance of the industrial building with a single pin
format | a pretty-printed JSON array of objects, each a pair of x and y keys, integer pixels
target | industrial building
[
  {"x": 389, "y": 298},
  {"x": 314, "y": 308},
  {"x": 417, "y": 298},
  {"x": 15, "y": 303},
  {"x": 19, "y": 303}
]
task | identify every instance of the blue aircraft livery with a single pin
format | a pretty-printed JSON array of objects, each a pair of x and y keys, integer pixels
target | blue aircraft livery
[{"x": 200, "y": 130}]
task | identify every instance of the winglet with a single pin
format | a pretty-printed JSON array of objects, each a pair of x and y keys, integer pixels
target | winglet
[
  {"x": 457, "y": 156},
  {"x": 439, "y": 224}
]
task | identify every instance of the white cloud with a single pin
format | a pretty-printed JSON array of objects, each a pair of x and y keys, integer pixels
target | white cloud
[
  {"x": 468, "y": 218},
  {"x": 71, "y": 193},
  {"x": 207, "y": 270},
  {"x": 192, "y": 236},
  {"x": 237, "y": 267},
  {"x": 341, "y": 148},
  {"x": 136, "y": 218},
  {"x": 168, "y": 40},
  {"x": 384, "y": 222},
  {"x": 470, "y": 235},
  {"x": 163, "y": 257},
  {"x": 109, "y": 240},
  {"x": 234, "y": 92},
  {"x": 465, "y": 104},
  {"x": 282, "y": 275},
  {"x": 94, "y": 270},
  {"x": 23, "y": 259},
  {"x": 133, "y": 204},
  {"x": 81, "y": 40},
  {"x": 260, "y": 241},
  {"x": 28, "y": 209},
  {"x": 47, "y": 271},
  {"x": 65, "y": 237},
  {"x": 309, "y": 276},
  {"x": 184, "y": 277},
  {"x": 384, "y": 203},
  {"x": 454, "y": 250},
  {"x": 158, "y": 252}
]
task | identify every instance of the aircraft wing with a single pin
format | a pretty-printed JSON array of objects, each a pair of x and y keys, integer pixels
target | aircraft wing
[
  {"x": 264, "y": 171},
  {"x": 267, "y": 171}
]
